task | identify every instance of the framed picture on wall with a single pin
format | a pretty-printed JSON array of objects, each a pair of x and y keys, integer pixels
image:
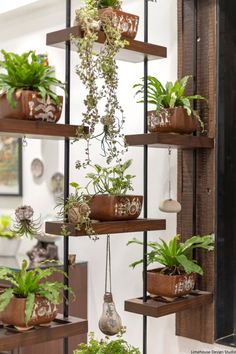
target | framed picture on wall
[{"x": 10, "y": 166}]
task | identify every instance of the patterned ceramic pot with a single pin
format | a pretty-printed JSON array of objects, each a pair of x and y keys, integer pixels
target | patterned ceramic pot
[
  {"x": 171, "y": 120},
  {"x": 111, "y": 207},
  {"x": 169, "y": 285},
  {"x": 31, "y": 106},
  {"x": 44, "y": 312},
  {"x": 127, "y": 23}
]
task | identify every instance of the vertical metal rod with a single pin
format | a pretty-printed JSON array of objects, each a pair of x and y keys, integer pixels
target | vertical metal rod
[
  {"x": 145, "y": 179},
  {"x": 194, "y": 181},
  {"x": 67, "y": 163}
]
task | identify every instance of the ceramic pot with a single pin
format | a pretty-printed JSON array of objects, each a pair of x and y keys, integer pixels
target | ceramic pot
[
  {"x": 111, "y": 207},
  {"x": 9, "y": 246},
  {"x": 30, "y": 106},
  {"x": 169, "y": 285},
  {"x": 171, "y": 120},
  {"x": 44, "y": 312},
  {"x": 125, "y": 22}
]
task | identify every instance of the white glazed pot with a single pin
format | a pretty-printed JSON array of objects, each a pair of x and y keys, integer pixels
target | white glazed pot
[{"x": 9, "y": 247}]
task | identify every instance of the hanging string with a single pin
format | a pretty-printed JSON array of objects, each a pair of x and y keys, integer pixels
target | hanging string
[
  {"x": 108, "y": 265},
  {"x": 169, "y": 161}
]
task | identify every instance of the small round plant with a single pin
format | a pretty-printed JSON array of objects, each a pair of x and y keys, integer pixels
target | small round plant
[{"x": 24, "y": 222}]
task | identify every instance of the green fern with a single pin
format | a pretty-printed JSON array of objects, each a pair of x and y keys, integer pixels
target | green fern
[
  {"x": 176, "y": 256},
  {"x": 29, "y": 283},
  {"x": 27, "y": 72}
]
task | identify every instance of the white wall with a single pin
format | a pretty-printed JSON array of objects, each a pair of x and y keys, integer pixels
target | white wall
[{"x": 127, "y": 283}]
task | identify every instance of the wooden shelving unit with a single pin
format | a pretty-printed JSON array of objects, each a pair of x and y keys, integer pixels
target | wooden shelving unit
[
  {"x": 135, "y": 52},
  {"x": 37, "y": 129},
  {"x": 164, "y": 140},
  {"x": 158, "y": 308},
  {"x": 60, "y": 328},
  {"x": 109, "y": 227}
]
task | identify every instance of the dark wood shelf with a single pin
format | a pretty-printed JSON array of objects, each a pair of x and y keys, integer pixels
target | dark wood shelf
[
  {"x": 135, "y": 52},
  {"x": 36, "y": 129},
  {"x": 164, "y": 140},
  {"x": 109, "y": 227},
  {"x": 159, "y": 308},
  {"x": 60, "y": 328}
]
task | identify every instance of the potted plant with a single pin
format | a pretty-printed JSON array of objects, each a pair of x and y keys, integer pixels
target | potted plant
[
  {"x": 109, "y": 200},
  {"x": 173, "y": 113},
  {"x": 127, "y": 23},
  {"x": 177, "y": 277},
  {"x": 97, "y": 71},
  {"x": 77, "y": 211},
  {"x": 32, "y": 299},
  {"x": 106, "y": 346},
  {"x": 26, "y": 88},
  {"x": 9, "y": 240}
]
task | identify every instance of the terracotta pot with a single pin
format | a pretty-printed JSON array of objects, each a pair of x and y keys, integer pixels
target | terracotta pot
[
  {"x": 112, "y": 207},
  {"x": 30, "y": 106},
  {"x": 14, "y": 314},
  {"x": 169, "y": 285},
  {"x": 127, "y": 23},
  {"x": 171, "y": 120}
]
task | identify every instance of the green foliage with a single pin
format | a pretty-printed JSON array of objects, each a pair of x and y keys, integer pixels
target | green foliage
[
  {"x": 27, "y": 72},
  {"x": 111, "y": 180},
  {"x": 106, "y": 346},
  {"x": 170, "y": 96},
  {"x": 28, "y": 284},
  {"x": 176, "y": 256},
  {"x": 109, "y": 3},
  {"x": 98, "y": 73},
  {"x": 5, "y": 227}
]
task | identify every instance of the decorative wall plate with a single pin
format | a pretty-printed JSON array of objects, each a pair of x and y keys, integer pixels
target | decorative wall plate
[
  {"x": 37, "y": 168},
  {"x": 57, "y": 184}
]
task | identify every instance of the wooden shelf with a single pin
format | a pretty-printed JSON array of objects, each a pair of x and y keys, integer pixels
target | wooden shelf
[
  {"x": 158, "y": 308},
  {"x": 135, "y": 52},
  {"x": 36, "y": 129},
  {"x": 164, "y": 140},
  {"x": 109, "y": 227},
  {"x": 60, "y": 328}
]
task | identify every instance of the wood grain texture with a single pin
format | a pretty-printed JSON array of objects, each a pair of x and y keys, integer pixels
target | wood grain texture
[
  {"x": 157, "y": 308},
  {"x": 37, "y": 129},
  {"x": 198, "y": 323},
  {"x": 135, "y": 52},
  {"x": 108, "y": 227},
  {"x": 163, "y": 140},
  {"x": 59, "y": 329}
]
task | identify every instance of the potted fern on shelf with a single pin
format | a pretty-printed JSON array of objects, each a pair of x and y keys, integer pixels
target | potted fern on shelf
[
  {"x": 26, "y": 88},
  {"x": 106, "y": 346},
  {"x": 173, "y": 111},
  {"x": 177, "y": 277},
  {"x": 32, "y": 299},
  {"x": 109, "y": 199},
  {"x": 9, "y": 240}
]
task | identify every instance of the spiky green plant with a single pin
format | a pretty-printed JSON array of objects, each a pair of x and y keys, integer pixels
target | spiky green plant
[
  {"x": 177, "y": 257},
  {"x": 109, "y": 3},
  {"x": 27, "y": 72},
  {"x": 169, "y": 96},
  {"x": 28, "y": 284}
]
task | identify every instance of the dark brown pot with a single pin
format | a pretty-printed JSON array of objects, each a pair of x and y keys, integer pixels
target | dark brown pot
[
  {"x": 127, "y": 23},
  {"x": 171, "y": 120},
  {"x": 169, "y": 285},
  {"x": 14, "y": 314},
  {"x": 112, "y": 207},
  {"x": 30, "y": 106}
]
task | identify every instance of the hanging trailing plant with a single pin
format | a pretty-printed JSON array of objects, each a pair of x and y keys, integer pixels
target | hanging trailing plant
[{"x": 95, "y": 66}]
